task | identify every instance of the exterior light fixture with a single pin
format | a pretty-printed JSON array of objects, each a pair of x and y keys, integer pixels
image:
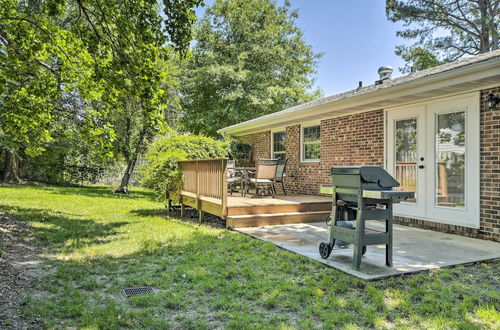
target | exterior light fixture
[{"x": 493, "y": 102}]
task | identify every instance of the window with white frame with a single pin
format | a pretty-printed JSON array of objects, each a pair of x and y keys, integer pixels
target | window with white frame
[
  {"x": 279, "y": 145},
  {"x": 311, "y": 143}
]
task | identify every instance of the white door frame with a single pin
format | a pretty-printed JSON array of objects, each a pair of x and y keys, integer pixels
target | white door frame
[
  {"x": 468, "y": 216},
  {"x": 419, "y": 112}
]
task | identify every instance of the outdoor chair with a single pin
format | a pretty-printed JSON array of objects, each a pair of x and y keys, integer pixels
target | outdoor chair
[
  {"x": 280, "y": 175},
  {"x": 232, "y": 179},
  {"x": 264, "y": 177}
]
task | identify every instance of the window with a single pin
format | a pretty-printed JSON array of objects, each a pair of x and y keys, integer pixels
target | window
[
  {"x": 279, "y": 145},
  {"x": 311, "y": 143}
]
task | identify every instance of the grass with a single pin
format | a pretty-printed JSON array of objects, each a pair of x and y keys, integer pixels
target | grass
[{"x": 96, "y": 243}]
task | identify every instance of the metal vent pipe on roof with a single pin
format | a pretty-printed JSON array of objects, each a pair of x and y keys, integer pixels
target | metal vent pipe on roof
[{"x": 385, "y": 72}]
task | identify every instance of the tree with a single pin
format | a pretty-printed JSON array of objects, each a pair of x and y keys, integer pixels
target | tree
[
  {"x": 445, "y": 30},
  {"x": 249, "y": 59},
  {"x": 135, "y": 128},
  {"x": 102, "y": 51}
]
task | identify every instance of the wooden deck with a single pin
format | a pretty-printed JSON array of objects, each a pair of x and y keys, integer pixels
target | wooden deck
[
  {"x": 251, "y": 212},
  {"x": 205, "y": 189}
]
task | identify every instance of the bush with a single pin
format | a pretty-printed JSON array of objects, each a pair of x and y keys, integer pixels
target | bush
[
  {"x": 240, "y": 151},
  {"x": 162, "y": 173}
]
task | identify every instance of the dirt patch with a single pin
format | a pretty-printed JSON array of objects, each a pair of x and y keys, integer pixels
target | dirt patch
[{"x": 19, "y": 265}]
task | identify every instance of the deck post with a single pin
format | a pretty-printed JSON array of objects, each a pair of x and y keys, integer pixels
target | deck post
[
  {"x": 201, "y": 214},
  {"x": 198, "y": 194},
  {"x": 224, "y": 189},
  {"x": 168, "y": 200},
  {"x": 183, "y": 210}
]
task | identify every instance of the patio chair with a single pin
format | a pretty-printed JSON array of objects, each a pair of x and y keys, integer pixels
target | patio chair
[
  {"x": 280, "y": 175},
  {"x": 232, "y": 179},
  {"x": 264, "y": 176}
]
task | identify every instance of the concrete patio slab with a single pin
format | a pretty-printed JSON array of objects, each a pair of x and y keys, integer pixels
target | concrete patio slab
[{"x": 414, "y": 249}]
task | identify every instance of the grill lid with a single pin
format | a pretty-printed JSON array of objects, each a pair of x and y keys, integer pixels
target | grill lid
[{"x": 369, "y": 174}]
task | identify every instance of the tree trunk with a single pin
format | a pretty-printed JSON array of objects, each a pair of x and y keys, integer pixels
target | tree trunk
[
  {"x": 485, "y": 35},
  {"x": 11, "y": 169},
  {"x": 123, "y": 189}
]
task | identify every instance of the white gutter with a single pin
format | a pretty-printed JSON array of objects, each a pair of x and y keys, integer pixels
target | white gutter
[{"x": 469, "y": 72}]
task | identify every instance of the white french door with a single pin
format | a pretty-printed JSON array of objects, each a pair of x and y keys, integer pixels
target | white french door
[{"x": 433, "y": 149}]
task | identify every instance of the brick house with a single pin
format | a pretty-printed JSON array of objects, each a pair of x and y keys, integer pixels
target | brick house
[{"x": 437, "y": 131}]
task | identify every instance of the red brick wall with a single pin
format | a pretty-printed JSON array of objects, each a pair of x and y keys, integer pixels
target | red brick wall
[
  {"x": 358, "y": 139},
  {"x": 302, "y": 178},
  {"x": 260, "y": 142},
  {"x": 490, "y": 169}
]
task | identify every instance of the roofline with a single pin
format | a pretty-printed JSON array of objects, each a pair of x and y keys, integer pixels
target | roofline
[{"x": 471, "y": 71}]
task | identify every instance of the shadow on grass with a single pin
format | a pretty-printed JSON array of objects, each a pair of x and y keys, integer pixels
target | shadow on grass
[
  {"x": 91, "y": 191},
  {"x": 64, "y": 232},
  {"x": 150, "y": 212}
]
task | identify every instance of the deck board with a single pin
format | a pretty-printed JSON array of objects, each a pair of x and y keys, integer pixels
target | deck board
[{"x": 239, "y": 201}]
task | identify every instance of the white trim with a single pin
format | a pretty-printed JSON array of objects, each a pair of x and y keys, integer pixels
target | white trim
[
  {"x": 469, "y": 216},
  {"x": 302, "y": 127},
  {"x": 419, "y": 112},
  {"x": 310, "y": 123},
  {"x": 277, "y": 130}
]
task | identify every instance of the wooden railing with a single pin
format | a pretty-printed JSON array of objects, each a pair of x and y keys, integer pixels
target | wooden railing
[
  {"x": 406, "y": 175},
  {"x": 205, "y": 185}
]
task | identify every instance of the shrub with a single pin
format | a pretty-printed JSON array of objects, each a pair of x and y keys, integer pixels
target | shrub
[
  {"x": 240, "y": 151},
  {"x": 162, "y": 172}
]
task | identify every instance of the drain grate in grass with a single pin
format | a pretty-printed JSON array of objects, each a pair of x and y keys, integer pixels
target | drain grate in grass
[{"x": 130, "y": 292}]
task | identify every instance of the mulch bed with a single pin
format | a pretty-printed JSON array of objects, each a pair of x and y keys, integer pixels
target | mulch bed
[
  {"x": 192, "y": 216},
  {"x": 19, "y": 265}
]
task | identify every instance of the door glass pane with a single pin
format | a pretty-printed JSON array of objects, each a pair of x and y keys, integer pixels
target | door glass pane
[
  {"x": 406, "y": 155},
  {"x": 450, "y": 159}
]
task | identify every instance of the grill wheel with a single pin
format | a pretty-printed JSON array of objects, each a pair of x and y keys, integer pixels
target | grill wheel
[{"x": 324, "y": 250}]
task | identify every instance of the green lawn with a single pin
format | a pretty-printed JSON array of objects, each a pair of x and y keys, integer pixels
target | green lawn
[{"x": 97, "y": 243}]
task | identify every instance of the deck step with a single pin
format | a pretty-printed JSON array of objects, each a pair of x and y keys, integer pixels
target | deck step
[
  {"x": 279, "y": 208},
  {"x": 255, "y": 220}
]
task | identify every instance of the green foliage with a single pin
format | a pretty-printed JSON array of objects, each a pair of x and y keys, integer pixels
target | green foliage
[
  {"x": 249, "y": 59},
  {"x": 179, "y": 17},
  {"x": 68, "y": 164},
  {"x": 444, "y": 30},
  {"x": 417, "y": 58},
  {"x": 107, "y": 55},
  {"x": 47, "y": 167},
  {"x": 240, "y": 151},
  {"x": 162, "y": 172}
]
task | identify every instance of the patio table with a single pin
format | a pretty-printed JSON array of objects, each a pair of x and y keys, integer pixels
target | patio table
[{"x": 245, "y": 175}]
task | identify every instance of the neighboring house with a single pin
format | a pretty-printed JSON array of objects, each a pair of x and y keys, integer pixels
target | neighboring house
[{"x": 433, "y": 130}]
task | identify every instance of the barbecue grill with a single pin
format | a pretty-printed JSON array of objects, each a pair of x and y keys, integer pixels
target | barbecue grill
[{"x": 362, "y": 193}]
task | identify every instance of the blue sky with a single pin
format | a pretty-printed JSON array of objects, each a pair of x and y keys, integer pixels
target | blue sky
[{"x": 354, "y": 37}]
